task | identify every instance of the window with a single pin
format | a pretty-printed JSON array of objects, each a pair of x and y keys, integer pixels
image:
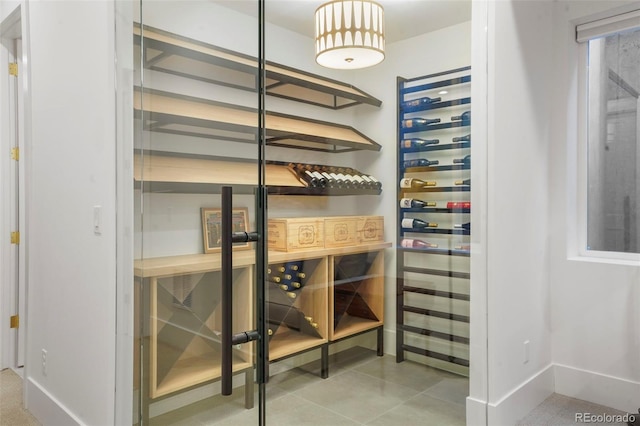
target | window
[{"x": 613, "y": 165}]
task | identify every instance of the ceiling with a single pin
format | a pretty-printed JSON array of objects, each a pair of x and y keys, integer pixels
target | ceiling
[{"x": 403, "y": 18}]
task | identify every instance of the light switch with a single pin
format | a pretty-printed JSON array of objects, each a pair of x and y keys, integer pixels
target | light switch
[{"x": 97, "y": 220}]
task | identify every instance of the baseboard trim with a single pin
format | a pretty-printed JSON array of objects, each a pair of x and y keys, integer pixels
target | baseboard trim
[
  {"x": 46, "y": 408},
  {"x": 476, "y": 412},
  {"x": 597, "y": 388},
  {"x": 520, "y": 401}
]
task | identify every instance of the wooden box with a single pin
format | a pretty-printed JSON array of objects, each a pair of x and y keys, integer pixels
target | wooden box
[
  {"x": 296, "y": 233},
  {"x": 340, "y": 231},
  {"x": 370, "y": 229}
]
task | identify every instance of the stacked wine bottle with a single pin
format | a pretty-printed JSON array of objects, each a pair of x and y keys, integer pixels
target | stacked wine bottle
[
  {"x": 286, "y": 280},
  {"x": 332, "y": 177}
]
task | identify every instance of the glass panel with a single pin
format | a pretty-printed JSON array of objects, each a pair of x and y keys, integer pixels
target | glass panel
[
  {"x": 363, "y": 324},
  {"x": 195, "y": 111},
  {"x": 333, "y": 353},
  {"x": 614, "y": 150}
]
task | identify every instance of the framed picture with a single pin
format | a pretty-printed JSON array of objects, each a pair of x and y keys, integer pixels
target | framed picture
[{"x": 211, "y": 228}]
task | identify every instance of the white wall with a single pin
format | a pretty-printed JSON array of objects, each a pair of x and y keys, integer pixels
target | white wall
[
  {"x": 519, "y": 141},
  {"x": 8, "y": 6},
  {"x": 595, "y": 304},
  {"x": 71, "y": 288}
]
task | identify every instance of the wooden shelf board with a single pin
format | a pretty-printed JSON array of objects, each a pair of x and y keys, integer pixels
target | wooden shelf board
[
  {"x": 168, "y": 109},
  {"x": 196, "y": 263},
  {"x": 192, "y": 371},
  {"x": 350, "y": 325},
  {"x": 179, "y": 55},
  {"x": 284, "y": 344},
  {"x": 161, "y": 168}
]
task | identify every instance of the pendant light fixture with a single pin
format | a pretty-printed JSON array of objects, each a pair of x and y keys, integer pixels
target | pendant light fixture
[{"x": 349, "y": 34}]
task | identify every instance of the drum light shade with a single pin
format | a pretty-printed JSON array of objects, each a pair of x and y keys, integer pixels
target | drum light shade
[{"x": 349, "y": 34}]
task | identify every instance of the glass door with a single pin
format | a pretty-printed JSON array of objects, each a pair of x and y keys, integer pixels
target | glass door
[
  {"x": 274, "y": 280},
  {"x": 197, "y": 188}
]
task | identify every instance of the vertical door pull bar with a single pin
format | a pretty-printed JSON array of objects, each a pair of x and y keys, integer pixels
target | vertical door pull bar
[
  {"x": 228, "y": 339},
  {"x": 227, "y": 292}
]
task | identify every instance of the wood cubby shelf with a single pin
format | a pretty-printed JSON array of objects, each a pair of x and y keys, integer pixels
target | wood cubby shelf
[
  {"x": 173, "y": 54},
  {"x": 182, "y": 296}
]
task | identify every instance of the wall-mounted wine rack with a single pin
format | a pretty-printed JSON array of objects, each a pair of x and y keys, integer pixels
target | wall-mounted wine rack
[{"x": 433, "y": 254}]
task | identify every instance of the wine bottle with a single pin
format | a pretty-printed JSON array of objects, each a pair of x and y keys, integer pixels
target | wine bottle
[
  {"x": 302, "y": 275},
  {"x": 414, "y": 183},
  {"x": 420, "y": 162},
  {"x": 466, "y": 182},
  {"x": 466, "y": 226},
  {"x": 369, "y": 182},
  {"x": 288, "y": 277},
  {"x": 459, "y": 205},
  {"x": 339, "y": 183},
  {"x": 359, "y": 178},
  {"x": 464, "y": 160},
  {"x": 281, "y": 268},
  {"x": 351, "y": 178},
  {"x": 268, "y": 271},
  {"x": 309, "y": 319},
  {"x": 466, "y": 138},
  {"x": 321, "y": 180},
  {"x": 291, "y": 286},
  {"x": 294, "y": 266},
  {"x": 417, "y": 122},
  {"x": 414, "y": 203},
  {"x": 276, "y": 279},
  {"x": 304, "y": 176},
  {"x": 270, "y": 332},
  {"x": 419, "y": 102},
  {"x": 418, "y": 142},
  {"x": 348, "y": 182},
  {"x": 375, "y": 181},
  {"x": 411, "y": 243},
  {"x": 465, "y": 116},
  {"x": 408, "y": 223},
  {"x": 291, "y": 295},
  {"x": 331, "y": 181}
]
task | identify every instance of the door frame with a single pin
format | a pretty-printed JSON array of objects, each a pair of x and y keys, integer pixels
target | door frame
[{"x": 14, "y": 280}]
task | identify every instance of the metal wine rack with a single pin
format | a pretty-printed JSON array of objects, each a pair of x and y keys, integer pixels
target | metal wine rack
[{"x": 433, "y": 280}]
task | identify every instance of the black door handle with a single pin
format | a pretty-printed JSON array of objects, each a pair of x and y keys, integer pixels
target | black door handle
[{"x": 229, "y": 237}]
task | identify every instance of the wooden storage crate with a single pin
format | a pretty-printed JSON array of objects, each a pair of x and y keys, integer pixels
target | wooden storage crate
[
  {"x": 296, "y": 233},
  {"x": 370, "y": 229},
  {"x": 340, "y": 231}
]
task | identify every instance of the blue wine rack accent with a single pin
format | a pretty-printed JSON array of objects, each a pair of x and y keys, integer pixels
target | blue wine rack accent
[{"x": 421, "y": 261}]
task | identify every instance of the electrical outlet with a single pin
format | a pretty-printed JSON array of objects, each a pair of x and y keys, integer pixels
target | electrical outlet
[
  {"x": 526, "y": 351},
  {"x": 44, "y": 362}
]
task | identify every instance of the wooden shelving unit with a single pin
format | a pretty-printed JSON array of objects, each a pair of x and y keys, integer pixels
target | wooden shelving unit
[
  {"x": 182, "y": 290},
  {"x": 180, "y": 327}
]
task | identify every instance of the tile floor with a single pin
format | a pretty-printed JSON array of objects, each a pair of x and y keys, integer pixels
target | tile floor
[{"x": 362, "y": 389}]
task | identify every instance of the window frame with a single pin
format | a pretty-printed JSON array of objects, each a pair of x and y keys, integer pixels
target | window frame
[{"x": 582, "y": 166}]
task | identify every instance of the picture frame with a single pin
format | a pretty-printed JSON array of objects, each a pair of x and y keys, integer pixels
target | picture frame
[{"x": 211, "y": 227}]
